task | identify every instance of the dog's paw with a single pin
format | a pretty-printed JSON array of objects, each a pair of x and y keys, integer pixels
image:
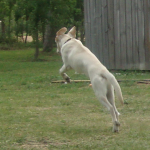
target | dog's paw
[
  {"x": 116, "y": 126},
  {"x": 116, "y": 130},
  {"x": 67, "y": 80}
]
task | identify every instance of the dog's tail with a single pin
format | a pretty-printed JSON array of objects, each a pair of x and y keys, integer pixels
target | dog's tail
[{"x": 106, "y": 74}]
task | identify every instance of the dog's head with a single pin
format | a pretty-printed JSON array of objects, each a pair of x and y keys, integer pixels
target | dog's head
[{"x": 62, "y": 38}]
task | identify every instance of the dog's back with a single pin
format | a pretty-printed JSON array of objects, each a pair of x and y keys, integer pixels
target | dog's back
[{"x": 80, "y": 58}]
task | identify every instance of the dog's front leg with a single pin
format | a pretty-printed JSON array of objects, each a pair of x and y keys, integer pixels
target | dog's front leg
[{"x": 62, "y": 71}]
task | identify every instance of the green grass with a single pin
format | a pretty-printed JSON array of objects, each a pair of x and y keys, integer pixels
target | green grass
[{"x": 36, "y": 114}]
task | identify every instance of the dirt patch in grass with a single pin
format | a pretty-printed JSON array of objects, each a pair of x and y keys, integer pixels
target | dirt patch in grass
[
  {"x": 44, "y": 144},
  {"x": 34, "y": 144}
]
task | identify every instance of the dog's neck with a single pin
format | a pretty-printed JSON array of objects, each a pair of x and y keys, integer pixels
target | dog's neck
[
  {"x": 67, "y": 40},
  {"x": 63, "y": 41}
]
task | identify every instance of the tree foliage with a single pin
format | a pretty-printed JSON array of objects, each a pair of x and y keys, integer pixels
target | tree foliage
[{"x": 25, "y": 17}]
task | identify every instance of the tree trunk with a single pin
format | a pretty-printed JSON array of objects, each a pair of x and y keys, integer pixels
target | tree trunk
[
  {"x": 48, "y": 42},
  {"x": 26, "y": 37},
  {"x": 36, "y": 45},
  {"x": 3, "y": 29},
  {"x": 47, "y": 39},
  {"x": 26, "y": 28},
  {"x": 9, "y": 30}
]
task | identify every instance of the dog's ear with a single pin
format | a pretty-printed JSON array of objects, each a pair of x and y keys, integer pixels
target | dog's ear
[
  {"x": 72, "y": 32},
  {"x": 61, "y": 31}
]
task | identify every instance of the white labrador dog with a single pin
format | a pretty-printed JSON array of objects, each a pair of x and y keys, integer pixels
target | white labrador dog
[{"x": 78, "y": 57}]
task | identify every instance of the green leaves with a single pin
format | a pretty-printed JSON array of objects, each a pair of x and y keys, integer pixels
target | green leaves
[
  {"x": 3, "y": 9},
  {"x": 29, "y": 17}
]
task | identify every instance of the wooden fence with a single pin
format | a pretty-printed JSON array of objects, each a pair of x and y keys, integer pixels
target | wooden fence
[{"x": 117, "y": 32}]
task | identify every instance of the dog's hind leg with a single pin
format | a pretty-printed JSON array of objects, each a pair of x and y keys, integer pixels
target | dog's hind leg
[
  {"x": 100, "y": 89},
  {"x": 62, "y": 71},
  {"x": 110, "y": 108},
  {"x": 110, "y": 97}
]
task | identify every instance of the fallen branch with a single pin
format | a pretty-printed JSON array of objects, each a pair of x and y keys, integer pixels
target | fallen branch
[
  {"x": 145, "y": 81},
  {"x": 76, "y": 81}
]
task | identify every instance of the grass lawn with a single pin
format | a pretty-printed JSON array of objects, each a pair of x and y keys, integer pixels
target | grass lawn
[{"x": 38, "y": 115}]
